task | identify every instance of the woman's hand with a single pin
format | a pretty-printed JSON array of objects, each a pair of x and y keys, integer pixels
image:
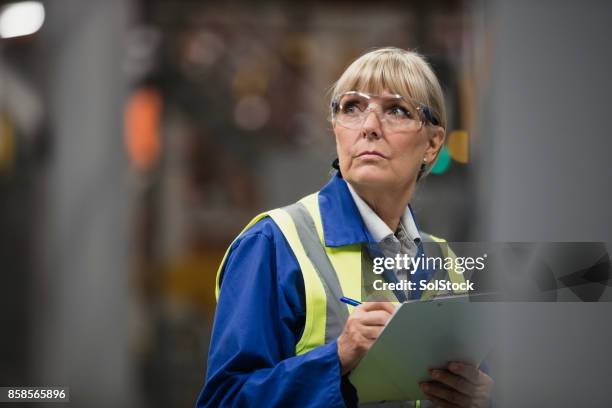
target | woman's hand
[
  {"x": 362, "y": 328},
  {"x": 460, "y": 385}
]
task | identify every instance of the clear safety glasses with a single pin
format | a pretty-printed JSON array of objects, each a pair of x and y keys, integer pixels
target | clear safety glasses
[{"x": 395, "y": 112}]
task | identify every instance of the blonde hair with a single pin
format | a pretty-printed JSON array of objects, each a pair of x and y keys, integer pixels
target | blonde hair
[{"x": 399, "y": 71}]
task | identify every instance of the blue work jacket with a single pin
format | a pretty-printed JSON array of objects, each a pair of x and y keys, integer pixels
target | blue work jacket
[{"x": 260, "y": 318}]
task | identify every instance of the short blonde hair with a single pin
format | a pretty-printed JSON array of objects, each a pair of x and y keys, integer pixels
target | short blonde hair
[{"x": 399, "y": 71}]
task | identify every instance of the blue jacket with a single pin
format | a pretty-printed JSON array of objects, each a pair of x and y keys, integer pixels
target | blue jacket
[{"x": 260, "y": 317}]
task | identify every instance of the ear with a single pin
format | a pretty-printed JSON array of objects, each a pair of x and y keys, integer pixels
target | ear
[{"x": 436, "y": 136}]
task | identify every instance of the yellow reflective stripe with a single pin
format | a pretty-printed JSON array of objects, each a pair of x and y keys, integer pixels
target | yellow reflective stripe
[
  {"x": 316, "y": 300},
  {"x": 417, "y": 404},
  {"x": 346, "y": 260},
  {"x": 249, "y": 225},
  {"x": 453, "y": 275},
  {"x": 428, "y": 294}
]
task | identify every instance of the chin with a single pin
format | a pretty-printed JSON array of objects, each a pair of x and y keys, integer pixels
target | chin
[{"x": 372, "y": 177}]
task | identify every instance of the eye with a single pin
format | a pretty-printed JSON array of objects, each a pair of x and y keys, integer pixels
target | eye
[
  {"x": 399, "y": 112},
  {"x": 350, "y": 107}
]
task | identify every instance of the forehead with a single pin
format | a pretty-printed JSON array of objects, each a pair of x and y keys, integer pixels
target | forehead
[{"x": 376, "y": 85}]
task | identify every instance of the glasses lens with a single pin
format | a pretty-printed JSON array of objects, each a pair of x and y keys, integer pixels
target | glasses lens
[
  {"x": 352, "y": 110},
  {"x": 394, "y": 112},
  {"x": 402, "y": 115}
]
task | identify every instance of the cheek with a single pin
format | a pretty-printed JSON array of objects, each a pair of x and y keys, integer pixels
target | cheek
[
  {"x": 412, "y": 151},
  {"x": 343, "y": 144}
]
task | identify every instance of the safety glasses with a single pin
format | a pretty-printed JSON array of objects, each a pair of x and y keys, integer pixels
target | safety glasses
[{"x": 395, "y": 112}]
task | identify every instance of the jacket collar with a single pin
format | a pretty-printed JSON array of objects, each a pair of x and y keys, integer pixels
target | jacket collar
[
  {"x": 341, "y": 219},
  {"x": 342, "y": 223}
]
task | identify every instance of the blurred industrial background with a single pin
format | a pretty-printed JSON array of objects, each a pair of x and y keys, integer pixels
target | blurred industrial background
[{"x": 137, "y": 138}]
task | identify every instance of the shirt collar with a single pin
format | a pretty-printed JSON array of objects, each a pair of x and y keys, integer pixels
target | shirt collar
[
  {"x": 343, "y": 223},
  {"x": 377, "y": 227}
]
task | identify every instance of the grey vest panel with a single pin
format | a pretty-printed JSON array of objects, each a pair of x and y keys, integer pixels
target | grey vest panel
[{"x": 337, "y": 312}]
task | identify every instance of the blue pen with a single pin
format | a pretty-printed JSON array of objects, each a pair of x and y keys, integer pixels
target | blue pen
[{"x": 350, "y": 301}]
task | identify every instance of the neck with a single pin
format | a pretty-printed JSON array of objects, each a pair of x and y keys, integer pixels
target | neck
[{"x": 388, "y": 204}]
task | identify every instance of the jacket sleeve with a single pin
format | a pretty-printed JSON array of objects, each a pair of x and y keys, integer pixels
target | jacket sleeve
[{"x": 258, "y": 321}]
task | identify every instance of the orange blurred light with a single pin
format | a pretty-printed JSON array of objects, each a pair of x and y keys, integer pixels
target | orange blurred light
[
  {"x": 458, "y": 145},
  {"x": 142, "y": 123}
]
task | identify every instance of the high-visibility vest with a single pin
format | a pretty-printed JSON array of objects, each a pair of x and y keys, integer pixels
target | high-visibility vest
[{"x": 328, "y": 272}]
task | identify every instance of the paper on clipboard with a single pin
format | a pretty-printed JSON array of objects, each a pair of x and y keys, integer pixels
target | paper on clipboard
[{"x": 419, "y": 336}]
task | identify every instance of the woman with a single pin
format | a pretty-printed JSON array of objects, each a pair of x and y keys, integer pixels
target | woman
[{"x": 281, "y": 336}]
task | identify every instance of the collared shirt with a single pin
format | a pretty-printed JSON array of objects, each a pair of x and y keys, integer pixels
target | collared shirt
[{"x": 406, "y": 238}]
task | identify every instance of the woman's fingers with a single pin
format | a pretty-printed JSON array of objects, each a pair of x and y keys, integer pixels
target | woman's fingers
[
  {"x": 376, "y": 318},
  {"x": 467, "y": 371},
  {"x": 465, "y": 386},
  {"x": 454, "y": 381},
  {"x": 360, "y": 331},
  {"x": 443, "y": 392},
  {"x": 371, "y": 306},
  {"x": 371, "y": 332}
]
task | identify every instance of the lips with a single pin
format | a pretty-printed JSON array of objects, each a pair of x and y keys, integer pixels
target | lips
[{"x": 370, "y": 153}]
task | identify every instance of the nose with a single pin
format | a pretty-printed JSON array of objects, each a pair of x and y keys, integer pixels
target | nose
[{"x": 371, "y": 126}]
